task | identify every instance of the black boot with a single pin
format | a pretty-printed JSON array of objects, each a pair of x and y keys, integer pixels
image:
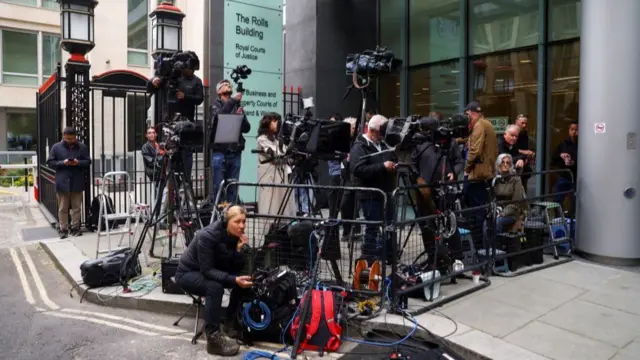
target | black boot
[
  {"x": 63, "y": 234},
  {"x": 219, "y": 344},
  {"x": 231, "y": 327}
]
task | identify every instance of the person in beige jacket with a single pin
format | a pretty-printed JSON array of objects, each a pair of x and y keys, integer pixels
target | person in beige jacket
[{"x": 483, "y": 151}]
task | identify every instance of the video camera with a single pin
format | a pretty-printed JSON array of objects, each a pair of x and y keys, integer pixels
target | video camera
[
  {"x": 180, "y": 133},
  {"x": 241, "y": 72},
  {"x": 406, "y": 133},
  {"x": 372, "y": 62},
  {"x": 171, "y": 68}
]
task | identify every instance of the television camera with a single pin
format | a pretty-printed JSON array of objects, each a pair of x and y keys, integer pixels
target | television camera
[
  {"x": 170, "y": 68},
  {"x": 372, "y": 62},
  {"x": 180, "y": 133},
  {"x": 240, "y": 73},
  {"x": 406, "y": 133}
]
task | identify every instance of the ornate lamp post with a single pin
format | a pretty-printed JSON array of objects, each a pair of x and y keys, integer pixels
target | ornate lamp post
[
  {"x": 166, "y": 29},
  {"x": 76, "y": 27}
]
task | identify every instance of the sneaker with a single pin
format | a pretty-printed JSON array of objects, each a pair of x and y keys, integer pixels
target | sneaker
[
  {"x": 63, "y": 234},
  {"x": 220, "y": 344},
  {"x": 76, "y": 232}
]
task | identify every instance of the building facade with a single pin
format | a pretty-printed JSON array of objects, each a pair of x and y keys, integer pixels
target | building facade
[
  {"x": 514, "y": 57},
  {"x": 30, "y": 51}
]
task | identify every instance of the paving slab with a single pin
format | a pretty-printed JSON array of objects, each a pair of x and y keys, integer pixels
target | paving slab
[
  {"x": 494, "y": 348},
  {"x": 629, "y": 352},
  {"x": 559, "y": 344},
  {"x": 579, "y": 274},
  {"x": 484, "y": 313},
  {"x": 594, "y": 321}
]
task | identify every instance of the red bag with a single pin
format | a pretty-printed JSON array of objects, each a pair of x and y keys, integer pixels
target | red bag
[{"x": 323, "y": 331}]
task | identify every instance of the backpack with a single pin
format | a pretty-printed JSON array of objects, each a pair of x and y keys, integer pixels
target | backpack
[
  {"x": 323, "y": 329},
  {"x": 94, "y": 216},
  {"x": 110, "y": 269}
]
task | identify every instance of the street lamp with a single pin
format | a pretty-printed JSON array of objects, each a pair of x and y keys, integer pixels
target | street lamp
[
  {"x": 166, "y": 29},
  {"x": 76, "y": 20}
]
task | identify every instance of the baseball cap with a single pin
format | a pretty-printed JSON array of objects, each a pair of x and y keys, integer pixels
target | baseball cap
[{"x": 473, "y": 106}]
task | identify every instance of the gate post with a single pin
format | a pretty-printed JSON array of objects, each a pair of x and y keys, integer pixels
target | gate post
[{"x": 76, "y": 22}]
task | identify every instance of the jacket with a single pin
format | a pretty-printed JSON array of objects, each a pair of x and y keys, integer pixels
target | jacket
[
  {"x": 570, "y": 147},
  {"x": 69, "y": 178},
  {"x": 513, "y": 150},
  {"x": 152, "y": 160},
  {"x": 483, "y": 151},
  {"x": 193, "y": 91},
  {"x": 228, "y": 107},
  {"x": 213, "y": 253},
  {"x": 510, "y": 191},
  {"x": 429, "y": 159},
  {"x": 370, "y": 171}
]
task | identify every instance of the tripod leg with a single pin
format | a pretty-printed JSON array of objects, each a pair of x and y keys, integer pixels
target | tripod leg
[{"x": 156, "y": 212}]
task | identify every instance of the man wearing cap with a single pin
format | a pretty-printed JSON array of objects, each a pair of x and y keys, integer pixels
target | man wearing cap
[
  {"x": 483, "y": 151},
  {"x": 226, "y": 158}
]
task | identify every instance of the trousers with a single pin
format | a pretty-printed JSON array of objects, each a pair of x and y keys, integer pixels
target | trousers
[
  {"x": 195, "y": 283},
  {"x": 66, "y": 201}
]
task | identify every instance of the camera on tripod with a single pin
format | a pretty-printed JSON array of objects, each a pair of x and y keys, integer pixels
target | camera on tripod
[
  {"x": 171, "y": 68},
  {"x": 241, "y": 72},
  {"x": 180, "y": 133},
  {"x": 406, "y": 133},
  {"x": 372, "y": 62}
]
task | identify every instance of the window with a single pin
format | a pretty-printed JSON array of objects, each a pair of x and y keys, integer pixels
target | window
[
  {"x": 507, "y": 85},
  {"x": 19, "y": 58},
  {"x": 500, "y": 27},
  {"x": 137, "y": 106},
  {"x": 51, "y": 4},
  {"x": 51, "y": 55},
  {"x": 434, "y": 32},
  {"x": 435, "y": 88},
  {"x": 22, "y": 2},
  {"x": 391, "y": 23},
  {"x": 389, "y": 96},
  {"x": 564, "y": 69},
  {"x": 137, "y": 33},
  {"x": 21, "y": 131},
  {"x": 564, "y": 19}
]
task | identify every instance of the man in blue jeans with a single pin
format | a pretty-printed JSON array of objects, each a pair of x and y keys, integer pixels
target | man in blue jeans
[
  {"x": 566, "y": 157},
  {"x": 226, "y": 158}
]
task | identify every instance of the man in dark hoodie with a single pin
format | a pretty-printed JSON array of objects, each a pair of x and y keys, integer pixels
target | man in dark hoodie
[
  {"x": 375, "y": 171},
  {"x": 226, "y": 158},
  {"x": 208, "y": 266},
  {"x": 566, "y": 157},
  {"x": 508, "y": 144},
  {"x": 70, "y": 159}
]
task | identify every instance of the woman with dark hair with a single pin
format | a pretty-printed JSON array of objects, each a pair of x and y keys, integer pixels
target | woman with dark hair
[{"x": 271, "y": 169}]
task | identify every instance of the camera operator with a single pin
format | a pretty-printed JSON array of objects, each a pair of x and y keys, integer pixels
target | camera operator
[
  {"x": 483, "y": 151},
  {"x": 189, "y": 95},
  {"x": 434, "y": 164},
  {"x": 208, "y": 266},
  {"x": 376, "y": 172},
  {"x": 226, "y": 158},
  {"x": 348, "y": 201}
]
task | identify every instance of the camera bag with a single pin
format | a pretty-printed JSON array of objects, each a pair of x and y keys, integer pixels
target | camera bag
[{"x": 110, "y": 269}]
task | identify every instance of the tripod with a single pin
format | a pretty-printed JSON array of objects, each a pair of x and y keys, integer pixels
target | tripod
[{"x": 181, "y": 207}]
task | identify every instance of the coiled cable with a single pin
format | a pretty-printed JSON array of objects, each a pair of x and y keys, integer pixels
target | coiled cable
[{"x": 266, "y": 316}]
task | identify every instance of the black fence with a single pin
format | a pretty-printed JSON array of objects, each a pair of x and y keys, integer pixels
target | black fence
[{"x": 421, "y": 247}]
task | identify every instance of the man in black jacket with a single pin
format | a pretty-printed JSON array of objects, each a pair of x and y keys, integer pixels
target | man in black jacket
[
  {"x": 208, "y": 266},
  {"x": 227, "y": 158},
  {"x": 70, "y": 159},
  {"x": 375, "y": 171},
  {"x": 566, "y": 157},
  {"x": 508, "y": 144}
]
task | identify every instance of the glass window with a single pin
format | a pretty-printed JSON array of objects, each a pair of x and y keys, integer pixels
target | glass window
[
  {"x": 51, "y": 55},
  {"x": 137, "y": 32},
  {"x": 51, "y": 4},
  {"x": 19, "y": 58},
  {"x": 435, "y": 88},
  {"x": 22, "y": 2},
  {"x": 564, "y": 69},
  {"x": 21, "y": 131},
  {"x": 389, "y": 96},
  {"x": 564, "y": 19},
  {"x": 507, "y": 85},
  {"x": 434, "y": 30},
  {"x": 391, "y": 23},
  {"x": 502, "y": 26}
]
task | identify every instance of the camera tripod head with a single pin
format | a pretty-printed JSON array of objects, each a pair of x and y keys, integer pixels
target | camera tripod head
[{"x": 241, "y": 72}]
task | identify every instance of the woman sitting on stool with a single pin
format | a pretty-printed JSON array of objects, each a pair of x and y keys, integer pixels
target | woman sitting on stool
[{"x": 208, "y": 266}]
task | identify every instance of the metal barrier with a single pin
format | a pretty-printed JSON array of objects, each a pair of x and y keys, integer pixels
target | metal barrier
[
  {"x": 280, "y": 238},
  {"x": 430, "y": 239},
  {"x": 539, "y": 235}
]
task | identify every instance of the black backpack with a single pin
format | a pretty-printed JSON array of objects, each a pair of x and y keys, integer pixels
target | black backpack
[{"x": 94, "y": 216}]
